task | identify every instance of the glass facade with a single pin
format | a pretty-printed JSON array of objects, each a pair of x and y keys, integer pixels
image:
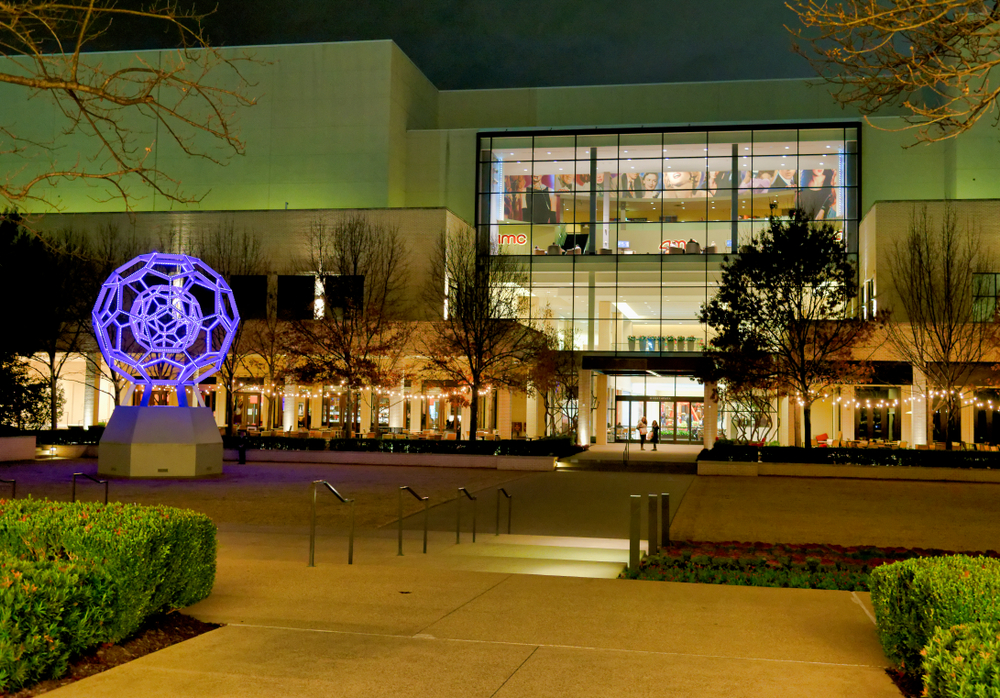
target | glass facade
[{"x": 622, "y": 233}]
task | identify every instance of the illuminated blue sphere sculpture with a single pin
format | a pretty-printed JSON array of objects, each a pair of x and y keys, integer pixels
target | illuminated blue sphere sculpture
[{"x": 165, "y": 320}]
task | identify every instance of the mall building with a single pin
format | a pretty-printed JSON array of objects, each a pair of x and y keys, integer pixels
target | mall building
[{"x": 620, "y": 201}]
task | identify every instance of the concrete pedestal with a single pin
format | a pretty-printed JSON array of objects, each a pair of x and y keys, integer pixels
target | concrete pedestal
[{"x": 160, "y": 442}]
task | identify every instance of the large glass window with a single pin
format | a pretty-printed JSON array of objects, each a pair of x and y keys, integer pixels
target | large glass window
[{"x": 623, "y": 234}]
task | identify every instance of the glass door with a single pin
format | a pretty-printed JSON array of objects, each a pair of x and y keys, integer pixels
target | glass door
[
  {"x": 667, "y": 429},
  {"x": 682, "y": 421}
]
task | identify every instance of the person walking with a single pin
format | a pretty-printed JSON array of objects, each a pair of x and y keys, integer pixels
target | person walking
[
  {"x": 642, "y": 433},
  {"x": 654, "y": 436}
]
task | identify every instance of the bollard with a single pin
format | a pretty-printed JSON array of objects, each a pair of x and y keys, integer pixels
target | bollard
[
  {"x": 665, "y": 515},
  {"x": 653, "y": 532},
  {"x": 635, "y": 514}
]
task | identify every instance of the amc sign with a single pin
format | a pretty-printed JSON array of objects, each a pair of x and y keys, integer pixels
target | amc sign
[{"x": 512, "y": 239}]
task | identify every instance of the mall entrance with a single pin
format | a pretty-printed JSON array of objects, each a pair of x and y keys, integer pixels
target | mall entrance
[{"x": 680, "y": 418}]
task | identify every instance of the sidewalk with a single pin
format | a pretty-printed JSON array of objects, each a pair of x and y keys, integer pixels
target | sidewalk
[
  {"x": 393, "y": 627},
  {"x": 463, "y": 620}
]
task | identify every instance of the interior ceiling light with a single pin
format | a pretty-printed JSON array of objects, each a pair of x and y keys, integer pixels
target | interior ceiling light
[{"x": 627, "y": 311}]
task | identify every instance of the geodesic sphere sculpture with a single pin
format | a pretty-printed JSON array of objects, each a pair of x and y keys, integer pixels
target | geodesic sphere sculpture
[{"x": 165, "y": 319}]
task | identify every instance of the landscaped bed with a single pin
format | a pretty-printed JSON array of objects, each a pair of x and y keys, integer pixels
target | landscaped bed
[{"x": 794, "y": 566}]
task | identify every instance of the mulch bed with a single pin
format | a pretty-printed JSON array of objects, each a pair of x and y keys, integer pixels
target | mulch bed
[{"x": 158, "y": 632}]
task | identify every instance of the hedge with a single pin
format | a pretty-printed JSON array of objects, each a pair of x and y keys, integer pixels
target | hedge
[
  {"x": 158, "y": 557},
  {"x": 49, "y": 611},
  {"x": 914, "y": 598},
  {"x": 963, "y": 661},
  {"x": 67, "y": 437},
  {"x": 853, "y": 456},
  {"x": 557, "y": 447}
]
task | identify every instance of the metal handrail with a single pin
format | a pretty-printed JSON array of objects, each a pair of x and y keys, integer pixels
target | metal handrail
[
  {"x": 13, "y": 488},
  {"x": 625, "y": 451},
  {"x": 426, "y": 510},
  {"x": 312, "y": 523},
  {"x": 458, "y": 515},
  {"x": 509, "y": 501},
  {"x": 92, "y": 479}
]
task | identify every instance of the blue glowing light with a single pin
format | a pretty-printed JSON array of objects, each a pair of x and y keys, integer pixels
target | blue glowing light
[{"x": 165, "y": 319}]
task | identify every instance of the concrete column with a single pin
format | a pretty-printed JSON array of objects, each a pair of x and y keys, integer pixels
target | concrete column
[
  {"x": 847, "y": 412},
  {"x": 416, "y": 410},
  {"x": 365, "y": 410},
  {"x": 397, "y": 409},
  {"x": 710, "y": 425},
  {"x": 92, "y": 383},
  {"x": 316, "y": 409},
  {"x": 503, "y": 413},
  {"x": 783, "y": 421},
  {"x": 921, "y": 408},
  {"x": 601, "y": 409},
  {"x": 534, "y": 406},
  {"x": 466, "y": 413},
  {"x": 906, "y": 414},
  {"x": 290, "y": 422},
  {"x": 605, "y": 326},
  {"x": 967, "y": 426},
  {"x": 584, "y": 426}
]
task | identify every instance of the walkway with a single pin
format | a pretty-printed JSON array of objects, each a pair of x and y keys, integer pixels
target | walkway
[{"x": 460, "y": 621}]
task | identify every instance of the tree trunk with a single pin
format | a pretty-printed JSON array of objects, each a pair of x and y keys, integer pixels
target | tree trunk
[
  {"x": 229, "y": 407},
  {"x": 53, "y": 393},
  {"x": 474, "y": 411},
  {"x": 348, "y": 415},
  {"x": 807, "y": 418}
]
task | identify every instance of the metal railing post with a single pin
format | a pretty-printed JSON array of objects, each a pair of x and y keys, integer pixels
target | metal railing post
[
  {"x": 427, "y": 512},
  {"x": 509, "y": 504},
  {"x": 312, "y": 523},
  {"x": 665, "y": 514},
  {"x": 458, "y": 515},
  {"x": 654, "y": 536},
  {"x": 400, "y": 522},
  {"x": 13, "y": 487},
  {"x": 312, "y": 527},
  {"x": 635, "y": 515},
  {"x": 92, "y": 479},
  {"x": 425, "y": 500}
]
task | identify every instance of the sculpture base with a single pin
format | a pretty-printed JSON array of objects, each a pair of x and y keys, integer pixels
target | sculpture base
[{"x": 160, "y": 442}]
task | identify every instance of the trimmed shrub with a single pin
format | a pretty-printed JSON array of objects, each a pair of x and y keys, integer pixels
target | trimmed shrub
[
  {"x": 984, "y": 460},
  {"x": 49, "y": 611},
  {"x": 963, "y": 661},
  {"x": 157, "y": 558},
  {"x": 276, "y": 443},
  {"x": 913, "y": 598},
  {"x": 557, "y": 447}
]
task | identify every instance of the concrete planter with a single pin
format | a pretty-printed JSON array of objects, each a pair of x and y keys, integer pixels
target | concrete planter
[
  {"x": 17, "y": 448},
  {"x": 863, "y": 472},
  {"x": 431, "y": 460}
]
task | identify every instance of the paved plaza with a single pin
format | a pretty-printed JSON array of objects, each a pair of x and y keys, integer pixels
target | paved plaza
[{"x": 535, "y": 613}]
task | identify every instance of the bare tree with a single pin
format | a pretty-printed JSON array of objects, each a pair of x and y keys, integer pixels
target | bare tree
[
  {"x": 930, "y": 58},
  {"x": 116, "y": 106},
  {"x": 938, "y": 326},
  {"x": 232, "y": 252},
  {"x": 555, "y": 378},
  {"x": 361, "y": 329},
  {"x": 480, "y": 340},
  {"x": 267, "y": 339},
  {"x": 109, "y": 248}
]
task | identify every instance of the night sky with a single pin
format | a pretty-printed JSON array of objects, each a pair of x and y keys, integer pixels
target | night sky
[{"x": 465, "y": 44}]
